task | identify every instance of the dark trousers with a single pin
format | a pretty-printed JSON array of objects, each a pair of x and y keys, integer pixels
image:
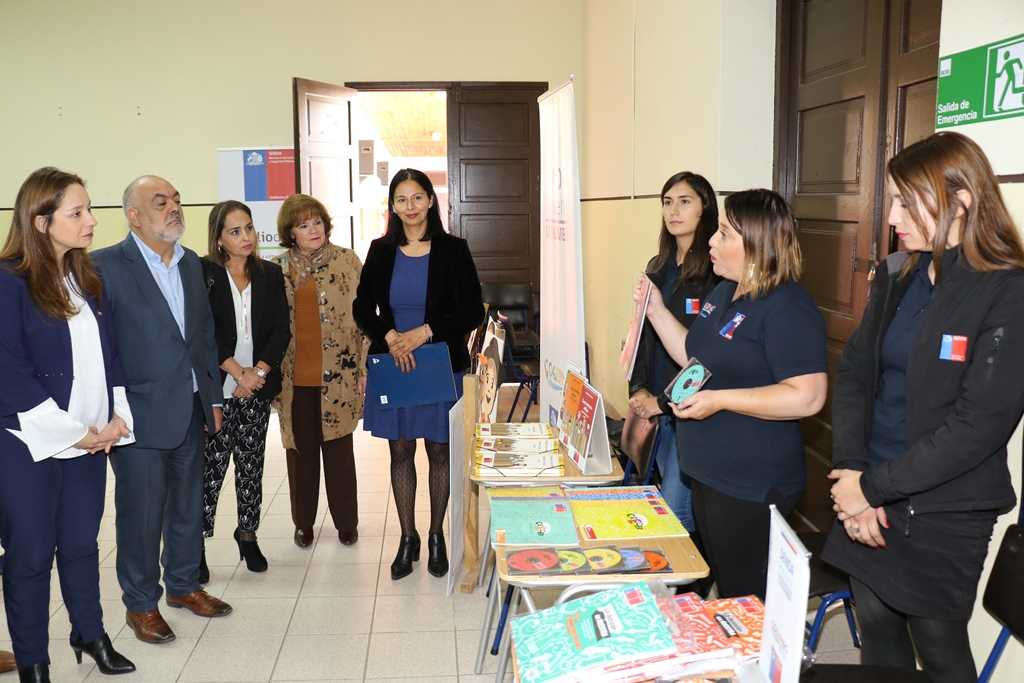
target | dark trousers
[
  {"x": 304, "y": 467},
  {"x": 159, "y": 495},
  {"x": 734, "y": 534},
  {"x": 48, "y": 506},
  {"x": 889, "y": 638},
  {"x": 243, "y": 436}
]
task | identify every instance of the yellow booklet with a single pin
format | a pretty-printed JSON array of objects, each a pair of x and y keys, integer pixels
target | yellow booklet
[{"x": 623, "y": 514}]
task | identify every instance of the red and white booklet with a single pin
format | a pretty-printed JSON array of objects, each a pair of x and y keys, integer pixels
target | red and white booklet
[{"x": 627, "y": 359}]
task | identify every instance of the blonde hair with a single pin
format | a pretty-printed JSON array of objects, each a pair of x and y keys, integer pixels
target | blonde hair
[{"x": 764, "y": 221}]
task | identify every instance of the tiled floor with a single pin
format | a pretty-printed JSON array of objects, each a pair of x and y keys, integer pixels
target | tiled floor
[{"x": 326, "y": 613}]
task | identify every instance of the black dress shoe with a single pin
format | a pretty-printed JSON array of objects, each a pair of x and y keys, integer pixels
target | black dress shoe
[
  {"x": 37, "y": 673},
  {"x": 348, "y": 537},
  {"x": 304, "y": 537},
  {"x": 249, "y": 550},
  {"x": 408, "y": 552},
  {"x": 437, "y": 555},
  {"x": 204, "y": 569},
  {"x": 108, "y": 660}
]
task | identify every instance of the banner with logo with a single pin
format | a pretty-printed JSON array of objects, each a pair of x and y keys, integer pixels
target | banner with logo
[
  {"x": 562, "y": 332},
  {"x": 262, "y": 178}
]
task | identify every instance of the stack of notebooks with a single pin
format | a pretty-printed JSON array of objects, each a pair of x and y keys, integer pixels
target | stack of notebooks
[
  {"x": 629, "y": 635},
  {"x": 517, "y": 449}
]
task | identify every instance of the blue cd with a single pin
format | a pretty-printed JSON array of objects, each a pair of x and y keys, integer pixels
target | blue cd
[{"x": 688, "y": 383}]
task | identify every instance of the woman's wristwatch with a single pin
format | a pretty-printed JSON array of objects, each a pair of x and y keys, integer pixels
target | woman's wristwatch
[{"x": 261, "y": 373}]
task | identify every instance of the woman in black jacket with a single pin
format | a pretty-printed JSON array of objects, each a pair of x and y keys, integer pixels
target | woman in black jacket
[
  {"x": 682, "y": 273},
  {"x": 250, "y": 315},
  {"x": 419, "y": 284},
  {"x": 928, "y": 392}
]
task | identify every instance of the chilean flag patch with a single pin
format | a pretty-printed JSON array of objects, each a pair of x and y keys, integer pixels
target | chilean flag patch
[
  {"x": 954, "y": 348},
  {"x": 692, "y": 306}
]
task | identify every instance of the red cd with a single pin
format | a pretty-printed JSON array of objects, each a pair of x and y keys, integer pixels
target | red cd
[
  {"x": 533, "y": 560},
  {"x": 656, "y": 560}
]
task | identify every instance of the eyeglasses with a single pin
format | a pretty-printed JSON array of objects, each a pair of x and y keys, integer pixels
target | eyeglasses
[{"x": 417, "y": 199}]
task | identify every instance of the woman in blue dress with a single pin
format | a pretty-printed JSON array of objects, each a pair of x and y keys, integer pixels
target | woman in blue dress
[{"x": 418, "y": 285}]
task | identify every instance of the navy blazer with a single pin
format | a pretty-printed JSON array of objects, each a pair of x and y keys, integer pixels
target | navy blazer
[
  {"x": 158, "y": 363},
  {"x": 35, "y": 354},
  {"x": 454, "y": 304}
]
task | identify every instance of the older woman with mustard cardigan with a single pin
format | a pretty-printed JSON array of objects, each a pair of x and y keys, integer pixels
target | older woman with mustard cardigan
[{"x": 323, "y": 371}]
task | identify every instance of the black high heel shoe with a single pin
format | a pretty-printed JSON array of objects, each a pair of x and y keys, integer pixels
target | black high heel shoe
[
  {"x": 108, "y": 660},
  {"x": 437, "y": 555},
  {"x": 250, "y": 552},
  {"x": 204, "y": 569},
  {"x": 408, "y": 552},
  {"x": 37, "y": 673}
]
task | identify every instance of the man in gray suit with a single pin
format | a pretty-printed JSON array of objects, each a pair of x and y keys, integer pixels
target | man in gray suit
[{"x": 164, "y": 330}]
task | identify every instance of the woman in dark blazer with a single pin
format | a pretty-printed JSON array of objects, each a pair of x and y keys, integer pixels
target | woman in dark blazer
[
  {"x": 62, "y": 408},
  {"x": 419, "y": 284},
  {"x": 928, "y": 392},
  {"x": 250, "y": 316}
]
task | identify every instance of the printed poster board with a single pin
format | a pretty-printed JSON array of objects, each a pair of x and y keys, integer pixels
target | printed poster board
[
  {"x": 582, "y": 427},
  {"x": 785, "y": 605}
]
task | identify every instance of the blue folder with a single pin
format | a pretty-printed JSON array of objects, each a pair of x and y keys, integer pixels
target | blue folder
[{"x": 431, "y": 381}]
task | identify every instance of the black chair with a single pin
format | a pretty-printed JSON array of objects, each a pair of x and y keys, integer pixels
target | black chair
[{"x": 513, "y": 304}]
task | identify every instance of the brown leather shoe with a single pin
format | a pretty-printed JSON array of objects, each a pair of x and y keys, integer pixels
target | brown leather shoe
[
  {"x": 7, "y": 662},
  {"x": 200, "y": 603},
  {"x": 150, "y": 627},
  {"x": 348, "y": 537},
  {"x": 304, "y": 537}
]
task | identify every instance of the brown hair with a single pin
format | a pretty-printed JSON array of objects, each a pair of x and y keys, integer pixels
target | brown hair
[
  {"x": 218, "y": 214},
  {"x": 929, "y": 173},
  {"x": 696, "y": 266},
  {"x": 296, "y": 209},
  {"x": 32, "y": 251},
  {"x": 765, "y": 222}
]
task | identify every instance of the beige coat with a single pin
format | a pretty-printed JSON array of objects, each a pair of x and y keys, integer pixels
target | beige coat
[{"x": 344, "y": 347}]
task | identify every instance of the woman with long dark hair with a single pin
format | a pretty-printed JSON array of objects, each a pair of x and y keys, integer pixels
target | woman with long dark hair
[
  {"x": 927, "y": 394},
  {"x": 419, "y": 284},
  {"x": 682, "y": 272},
  {"x": 250, "y": 314},
  {"x": 62, "y": 409}
]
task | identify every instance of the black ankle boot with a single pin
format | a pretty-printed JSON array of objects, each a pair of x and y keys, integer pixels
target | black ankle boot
[
  {"x": 108, "y": 660},
  {"x": 408, "y": 552},
  {"x": 204, "y": 570},
  {"x": 37, "y": 673},
  {"x": 437, "y": 555},
  {"x": 250, "y": 552}
]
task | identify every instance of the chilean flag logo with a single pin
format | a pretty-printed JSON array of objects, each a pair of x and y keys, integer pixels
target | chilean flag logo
[
  {"x": 692, "y": 306},
  {"x": 954, "y": 348}
]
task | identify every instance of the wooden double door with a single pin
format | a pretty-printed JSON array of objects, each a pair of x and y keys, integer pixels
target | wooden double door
[
  {"x": 857, "y": 83},
  {"x": 493, "y": 166}
]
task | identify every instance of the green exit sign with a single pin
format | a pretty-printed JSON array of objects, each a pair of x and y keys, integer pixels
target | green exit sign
[{"x": 985, "y": 83}]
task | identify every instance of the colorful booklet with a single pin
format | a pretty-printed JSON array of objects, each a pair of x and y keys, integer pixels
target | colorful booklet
[
  {"x": 574, "y": 641},
  {"x": 532, "y": 521},
  {"x": 519, "y": 430},
  {"x": 487, "y": 463},
  {"x": 623, "y": 514},
  {"x": 524, "y": 492},
  {"x": 506, "y": 444},
  {"x": 741, "y": 620},
  {"x": 627, "y": 359}
]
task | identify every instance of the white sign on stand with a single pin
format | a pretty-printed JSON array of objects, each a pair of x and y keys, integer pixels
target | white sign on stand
[
  {"x": 785, "y": 605},
  {"x": 456, "y": 474},
  {"x": 582, "y": 427}
]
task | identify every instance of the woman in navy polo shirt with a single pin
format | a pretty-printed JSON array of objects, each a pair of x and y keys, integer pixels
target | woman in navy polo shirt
[
  {"x": 927, "y": 394},
  {"x": 762, "y": 338}
]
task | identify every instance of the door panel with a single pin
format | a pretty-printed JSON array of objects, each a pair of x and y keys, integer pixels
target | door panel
[
  {"x": 494, "y": 173},
  {"x": 324, "y": 149},
  {"x": 858, "y": 84}
]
